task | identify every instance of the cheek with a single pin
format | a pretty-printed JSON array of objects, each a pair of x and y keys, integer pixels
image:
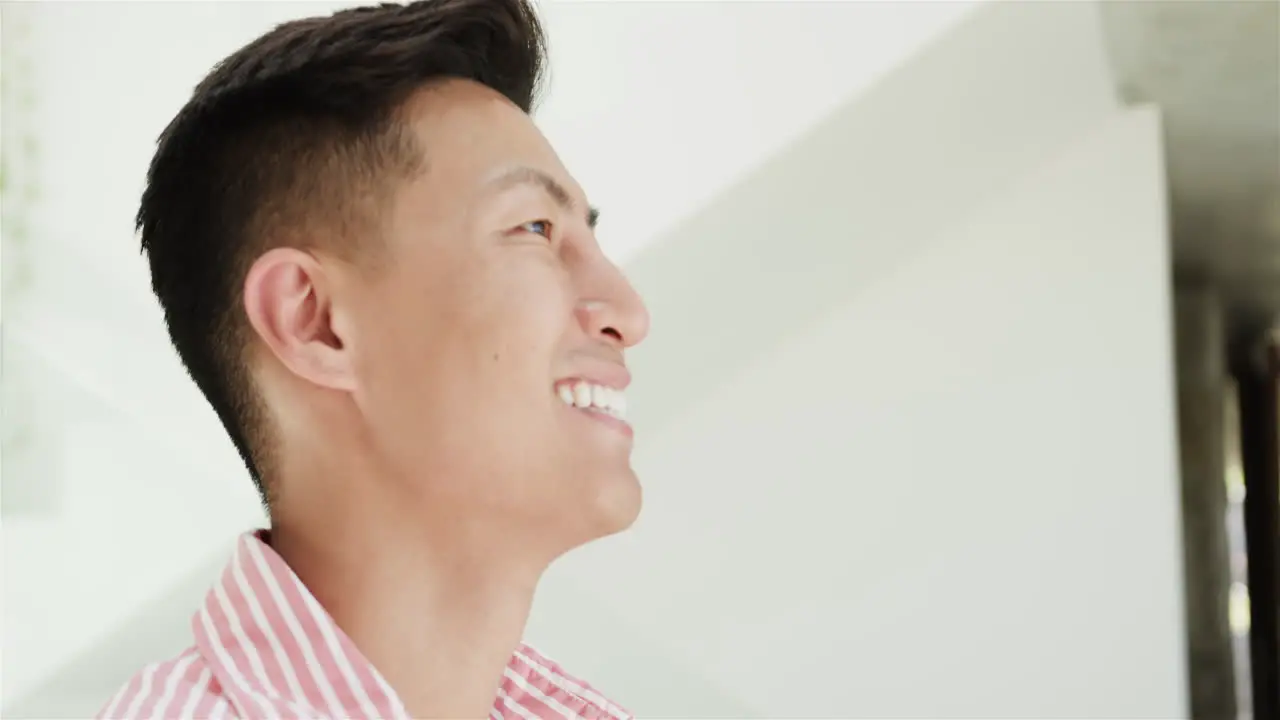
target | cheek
[
  {"x": 390, "y": 354},
  {"x": 482, "y": 335},
  {"x": 457, "y": 379},
  {"x": 519, "y": 321}
]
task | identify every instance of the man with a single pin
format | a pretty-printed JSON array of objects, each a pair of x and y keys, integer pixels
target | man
[{"x": 389, "y": 288}]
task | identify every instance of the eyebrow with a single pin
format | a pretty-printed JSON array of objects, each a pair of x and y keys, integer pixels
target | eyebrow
[{"x": 549, "y": 185}]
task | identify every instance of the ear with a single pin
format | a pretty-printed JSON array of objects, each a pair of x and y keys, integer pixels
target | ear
[{"x": 289, "y": 302}]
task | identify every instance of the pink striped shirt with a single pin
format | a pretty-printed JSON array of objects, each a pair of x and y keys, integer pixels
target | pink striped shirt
[{"x": 266, "y": 649}]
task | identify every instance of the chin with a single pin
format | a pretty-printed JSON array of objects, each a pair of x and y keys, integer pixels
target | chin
[{"x": 615, "y": 506}]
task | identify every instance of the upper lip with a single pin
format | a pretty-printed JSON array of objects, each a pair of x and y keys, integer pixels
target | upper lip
[{"x": 608, "y": 374}]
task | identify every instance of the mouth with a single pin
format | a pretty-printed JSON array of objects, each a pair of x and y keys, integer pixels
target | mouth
[{"x": 603, "y": 402}]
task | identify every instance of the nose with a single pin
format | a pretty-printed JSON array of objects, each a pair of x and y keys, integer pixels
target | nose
[{"x": 613, "y": 311}]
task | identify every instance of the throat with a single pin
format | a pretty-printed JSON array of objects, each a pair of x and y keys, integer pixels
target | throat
[{"x": 440, "y": 632}]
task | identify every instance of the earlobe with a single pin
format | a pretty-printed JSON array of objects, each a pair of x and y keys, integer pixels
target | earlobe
[{"x": 290, "y": 306}]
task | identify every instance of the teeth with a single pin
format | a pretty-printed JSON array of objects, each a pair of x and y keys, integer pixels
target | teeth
[
  {"x": 596, "y": 397},
  {"x": 582, "y": 395}
]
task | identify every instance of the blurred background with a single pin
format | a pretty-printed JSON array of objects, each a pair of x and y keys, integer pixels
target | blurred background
[{"x": 960, "y": 400}]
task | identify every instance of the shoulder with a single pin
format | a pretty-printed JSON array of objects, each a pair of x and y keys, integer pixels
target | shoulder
[{"x": 181, "y": 687}]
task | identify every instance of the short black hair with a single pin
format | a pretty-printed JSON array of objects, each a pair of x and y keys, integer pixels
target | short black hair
[{"x": 302, "y": 130}]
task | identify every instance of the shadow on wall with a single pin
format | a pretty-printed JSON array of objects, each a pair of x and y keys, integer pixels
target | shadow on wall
[{"x": 900, "y": 164}]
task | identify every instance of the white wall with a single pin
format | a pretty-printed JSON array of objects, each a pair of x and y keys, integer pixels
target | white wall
[
  {"x": 658, "y": 108},
  {"x": 955, "y": 496},
  {"x": 802, "y": 213},
  {"x": 911, "y": 386}
]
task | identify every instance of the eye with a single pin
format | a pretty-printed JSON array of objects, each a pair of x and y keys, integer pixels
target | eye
[{"x": 538, "y": 227}]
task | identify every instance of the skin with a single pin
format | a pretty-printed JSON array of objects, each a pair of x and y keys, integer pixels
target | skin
[{"x": 428, "y": 473}]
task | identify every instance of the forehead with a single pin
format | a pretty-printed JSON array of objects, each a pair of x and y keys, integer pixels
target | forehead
[{"x": 469, "y": 133}]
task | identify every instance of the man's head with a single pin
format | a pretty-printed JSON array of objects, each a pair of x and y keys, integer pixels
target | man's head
[{"x": 362, "y": 244}]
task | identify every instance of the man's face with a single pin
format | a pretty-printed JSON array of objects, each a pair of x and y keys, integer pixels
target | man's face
[{"x": 489, "y": 343}]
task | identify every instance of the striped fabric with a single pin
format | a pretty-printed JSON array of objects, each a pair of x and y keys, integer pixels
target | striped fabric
[{"x": 266, "y": 649}]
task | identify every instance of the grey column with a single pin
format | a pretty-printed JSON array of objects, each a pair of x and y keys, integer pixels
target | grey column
[{"x": 1202, "y": 397}]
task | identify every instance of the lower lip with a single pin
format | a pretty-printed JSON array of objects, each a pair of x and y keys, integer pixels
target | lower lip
[{"x": 613, "y": 422}]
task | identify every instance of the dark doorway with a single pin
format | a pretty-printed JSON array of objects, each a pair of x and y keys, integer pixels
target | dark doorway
[{"x": 1255, "y": 363}]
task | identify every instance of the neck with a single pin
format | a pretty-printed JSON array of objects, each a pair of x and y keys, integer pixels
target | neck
[{"x": 436, "y": 607}]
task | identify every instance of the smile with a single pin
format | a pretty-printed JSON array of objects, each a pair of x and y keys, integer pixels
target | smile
[{"x": 592, "y": 397}]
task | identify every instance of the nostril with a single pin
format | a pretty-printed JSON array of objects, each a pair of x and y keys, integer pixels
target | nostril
[{"x": 612, "y": 333}]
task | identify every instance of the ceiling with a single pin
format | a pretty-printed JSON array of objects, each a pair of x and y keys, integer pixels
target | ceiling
[{"x": 1214, "y": 69}]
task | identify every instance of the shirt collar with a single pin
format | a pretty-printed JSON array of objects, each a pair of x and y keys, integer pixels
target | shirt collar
[{"x": 276, "y": 652}]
